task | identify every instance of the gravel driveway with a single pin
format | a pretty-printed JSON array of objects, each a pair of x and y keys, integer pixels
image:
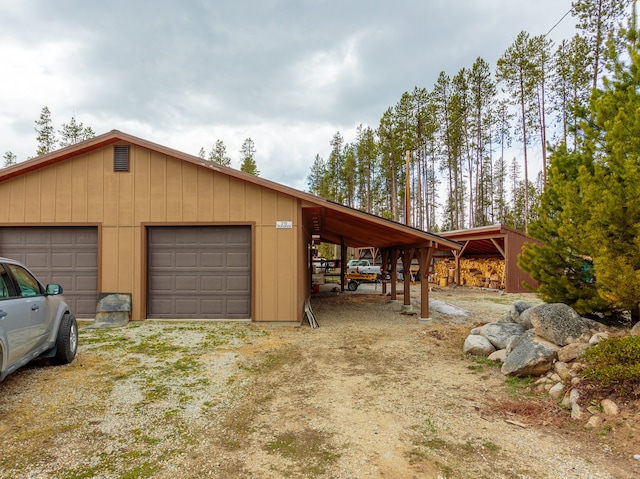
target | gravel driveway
[{"x": 370, "y": 393}]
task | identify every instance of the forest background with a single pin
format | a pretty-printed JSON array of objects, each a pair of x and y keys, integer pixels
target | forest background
[{"x": 459, "y": 133}]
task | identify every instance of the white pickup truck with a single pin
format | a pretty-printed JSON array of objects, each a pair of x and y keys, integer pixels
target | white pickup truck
[{"x": 362, "y": 266}]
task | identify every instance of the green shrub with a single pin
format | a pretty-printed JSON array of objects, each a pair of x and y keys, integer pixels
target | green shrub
[{"x": 614, "y": 364}]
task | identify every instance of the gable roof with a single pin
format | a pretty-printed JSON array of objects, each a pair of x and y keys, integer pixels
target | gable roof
[{"x": 330, "y": 221}]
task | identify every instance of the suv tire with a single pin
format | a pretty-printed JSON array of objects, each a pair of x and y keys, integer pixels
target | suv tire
[{"x": 67, "y": 340}]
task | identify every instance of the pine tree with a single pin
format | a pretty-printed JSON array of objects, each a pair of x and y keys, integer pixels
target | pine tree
[
  {"x": 598, "y": 19},
  {"x": 74, "y": 132},
  {"x": 247, "y": 157},
  {"x": 46, "y": 135},
  {"x": 9, "y": 159},
  {"x": 520, "y": 75},
  {"x": 218, "y": 153},
  {"x": 589, "y": 216}
]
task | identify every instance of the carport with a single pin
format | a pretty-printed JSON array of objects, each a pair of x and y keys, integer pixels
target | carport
[{"x": 348, "y": 227}]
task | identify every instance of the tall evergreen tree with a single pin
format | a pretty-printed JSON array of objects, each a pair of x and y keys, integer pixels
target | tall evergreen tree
[
  {"x": 520, "y": 75},
  {"x": 46, "y": 134},
  {"x": 317, "y": 179},
  {"x": 74, "y": 132},
  {"x": 590, "y": 219},
  {"x": 598, "y": 20},
  {"x": 247, "y": 157},
  {"x": 218, "y": 153}
]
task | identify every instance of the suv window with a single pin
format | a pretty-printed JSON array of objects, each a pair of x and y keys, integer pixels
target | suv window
[
  {"x": 28, "y": 285},
  {"x": 7, "y": 290}
]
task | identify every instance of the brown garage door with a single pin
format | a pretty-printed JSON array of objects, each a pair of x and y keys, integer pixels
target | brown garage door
[
  {"x": 199, "y": 272},
  {"x": 66, "y": 255}
]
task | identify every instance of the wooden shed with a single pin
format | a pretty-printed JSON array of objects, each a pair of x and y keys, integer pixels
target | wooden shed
[
  {"x": 185, "y": 237},
  {"x": 495, "y": 241}
]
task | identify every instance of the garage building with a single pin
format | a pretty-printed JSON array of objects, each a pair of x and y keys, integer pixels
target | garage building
[{"x": 187, "y": 238}]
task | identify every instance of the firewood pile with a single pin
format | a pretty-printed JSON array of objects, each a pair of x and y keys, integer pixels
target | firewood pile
[{"x": 480, "y": 272}]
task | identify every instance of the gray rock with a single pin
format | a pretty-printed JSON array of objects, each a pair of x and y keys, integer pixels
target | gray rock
[
  {"x": 559, "y": 324},
  {"x": 511, "y": 343},
  {"x": 525, "y": 319},
  {"x": 635, "y": 331},
  {"x": 556, "y": 391},
  {"x": 477, "y": 345},
  {"x": 499, "y": 333},
  {"x": 516, "y": 310},
  {"x": 594, "y": 325},
  {"x": 598, "y": 338},
  {"x": 531, "y": 356},
  {"x": 498, "y": 356}
]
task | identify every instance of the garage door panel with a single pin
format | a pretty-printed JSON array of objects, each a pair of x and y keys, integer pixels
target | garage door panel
[
  {"x": 62, "y": 260},
  {"x": 162, "y": 283},
  {"x": 237, "y": 283},
  {"x": 212, "y": 260},
  {"x": 210, "y": 284},
  {"x": 186, "y": 307},
  {"x": 202, "y": 262},
  {"x": 213, "y": 236},
  {"x": 239, "y": 236},
  {"x": 236, "y": 308},
  {"x": 186, "y": 283},
  {"x": 238, "y": 260},
  {"x": 186, "y": 260},
  {"x": 67, "y": 255},
  {"x": 214, "y": 306}
]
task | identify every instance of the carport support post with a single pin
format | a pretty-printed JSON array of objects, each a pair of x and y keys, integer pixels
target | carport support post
[
  {"x": 395, "y": 254},
  {"x": 343, "y": 263},
  {"x": 426, "y": 255},
  {"x": 385, "y": 267},
  {"x": 406, "y": 279}
]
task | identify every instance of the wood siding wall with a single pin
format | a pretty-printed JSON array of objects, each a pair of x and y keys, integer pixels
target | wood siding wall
[{"x": 160, "y": 189}]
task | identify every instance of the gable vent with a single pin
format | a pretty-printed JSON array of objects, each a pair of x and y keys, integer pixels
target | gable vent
[{"x": 121, "y": 158}]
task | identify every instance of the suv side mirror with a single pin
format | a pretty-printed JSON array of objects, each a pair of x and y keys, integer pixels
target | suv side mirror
[{"x": 54, "y": 289}]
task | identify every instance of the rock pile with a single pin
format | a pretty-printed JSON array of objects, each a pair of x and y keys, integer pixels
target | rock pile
[{"x": 545, "y": 341}]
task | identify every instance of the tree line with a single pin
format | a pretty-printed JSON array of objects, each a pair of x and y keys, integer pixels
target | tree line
[
  {"x": 459, "y": 132},
  {"x": 74, "y": 132}
]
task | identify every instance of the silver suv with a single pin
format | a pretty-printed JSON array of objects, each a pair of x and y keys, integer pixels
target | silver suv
[{"x": 34, "y": 321}]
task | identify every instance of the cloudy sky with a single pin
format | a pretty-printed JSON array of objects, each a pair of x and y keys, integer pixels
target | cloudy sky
[{"x": 287, "y": 73}]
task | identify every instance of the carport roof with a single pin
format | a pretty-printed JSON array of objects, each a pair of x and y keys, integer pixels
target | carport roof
[{"x": 330, "y": 221}]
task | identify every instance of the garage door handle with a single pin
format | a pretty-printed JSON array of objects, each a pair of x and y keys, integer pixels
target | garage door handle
[
  {"x": 2, "y": 314},
  {"x": 35, "y": 307}
]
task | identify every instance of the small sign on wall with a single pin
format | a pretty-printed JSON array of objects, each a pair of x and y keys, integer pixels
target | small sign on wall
[{"x": 284, "y": 225}]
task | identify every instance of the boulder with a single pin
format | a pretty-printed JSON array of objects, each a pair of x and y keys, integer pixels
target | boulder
[
  {"x": 477, "y": 345},
  {"x": 635, "y": 331},
  {"x": 556, "y": 391},
  {"x": 573, "y": 351},
  {"x": 498, "y": 356},
  {"x": 500, "y": 333},
  {"x": 531, "y": 356},
  {"x": 525, "y": 319},
  {"x": 559, "y": 324},
  {"x": 516, "y": 310}
]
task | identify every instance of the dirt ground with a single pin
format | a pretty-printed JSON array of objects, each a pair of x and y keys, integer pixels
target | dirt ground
[{"x": 370, "y": 393}]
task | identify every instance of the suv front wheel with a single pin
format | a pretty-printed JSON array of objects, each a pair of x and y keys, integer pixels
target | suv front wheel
[{"x": 67, "y": 340}]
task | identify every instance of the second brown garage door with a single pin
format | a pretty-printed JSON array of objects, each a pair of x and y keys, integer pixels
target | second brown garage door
[{"x": 199, "y": 272}]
